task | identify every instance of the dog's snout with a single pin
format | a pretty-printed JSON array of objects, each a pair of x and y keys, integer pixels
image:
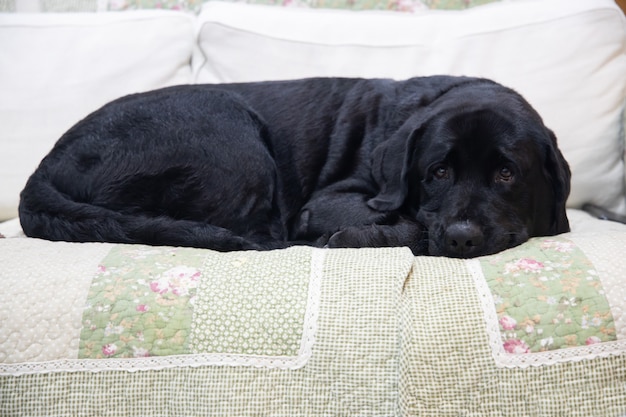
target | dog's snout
[{"x": 464, "y": 239}]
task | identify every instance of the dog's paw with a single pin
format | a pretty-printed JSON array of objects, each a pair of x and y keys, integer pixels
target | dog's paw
[{"x": 344, "y": 238}]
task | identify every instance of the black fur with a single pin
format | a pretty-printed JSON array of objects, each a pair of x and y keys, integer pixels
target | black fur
[{"x": 449, "y": 166}]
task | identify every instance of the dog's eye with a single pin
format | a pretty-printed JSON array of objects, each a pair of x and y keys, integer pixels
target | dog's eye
[
  {"x": 441, "y": 172},
  {"x": 504, "y": 175}
]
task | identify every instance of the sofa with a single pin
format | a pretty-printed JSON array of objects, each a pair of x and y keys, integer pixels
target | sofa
[{"x": 102, "y": 329}]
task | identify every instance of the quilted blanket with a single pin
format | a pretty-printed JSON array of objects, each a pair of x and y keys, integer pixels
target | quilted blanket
[{"x": 127, "y": 330}]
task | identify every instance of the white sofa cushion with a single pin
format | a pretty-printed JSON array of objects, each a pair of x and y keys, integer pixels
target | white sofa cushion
[
  {"x": 567, "y": 57},
  {"x": 56, "y": 68}
]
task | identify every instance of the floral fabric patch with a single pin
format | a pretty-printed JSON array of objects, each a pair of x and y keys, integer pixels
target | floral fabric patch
[
  {"x": 396, "y": 5},
  {"x": 547, "y": 296},
  {"x": 140, "y": 302},
  {"x": 196, "y": 5}
]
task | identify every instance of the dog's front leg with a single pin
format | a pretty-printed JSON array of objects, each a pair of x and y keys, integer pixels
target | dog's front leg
[{"x": 402, "y": 233}]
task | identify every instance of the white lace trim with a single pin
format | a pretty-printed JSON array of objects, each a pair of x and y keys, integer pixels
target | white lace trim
[
  {"x": 196, "y": 360},
  {"x": 503, "y": 359}
]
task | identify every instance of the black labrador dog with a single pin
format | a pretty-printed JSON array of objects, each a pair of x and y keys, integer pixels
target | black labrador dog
[{"x": 450, "y": 166}]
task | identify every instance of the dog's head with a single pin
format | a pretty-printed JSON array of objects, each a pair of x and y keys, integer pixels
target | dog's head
[{"x": 478, "y": 168}]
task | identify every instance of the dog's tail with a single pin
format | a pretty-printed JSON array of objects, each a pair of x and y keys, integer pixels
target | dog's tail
[{"x": 47, "y": 213}]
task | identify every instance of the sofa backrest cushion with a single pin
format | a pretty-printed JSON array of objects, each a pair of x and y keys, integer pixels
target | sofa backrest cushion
[
  {"x": 56, "y": 68},
  {"x": 567, "y": 57}
]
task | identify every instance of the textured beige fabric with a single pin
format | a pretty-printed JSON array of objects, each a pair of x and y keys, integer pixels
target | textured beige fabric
[{"x": 44, "y": 291}]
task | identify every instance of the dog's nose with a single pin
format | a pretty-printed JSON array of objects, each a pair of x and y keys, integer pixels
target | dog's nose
[{"x": 464, "y": 239}]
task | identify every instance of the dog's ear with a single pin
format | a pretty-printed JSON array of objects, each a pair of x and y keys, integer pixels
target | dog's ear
[
  {"x": 559, "y": 175},
  {"x": 391, "y": 162}
]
